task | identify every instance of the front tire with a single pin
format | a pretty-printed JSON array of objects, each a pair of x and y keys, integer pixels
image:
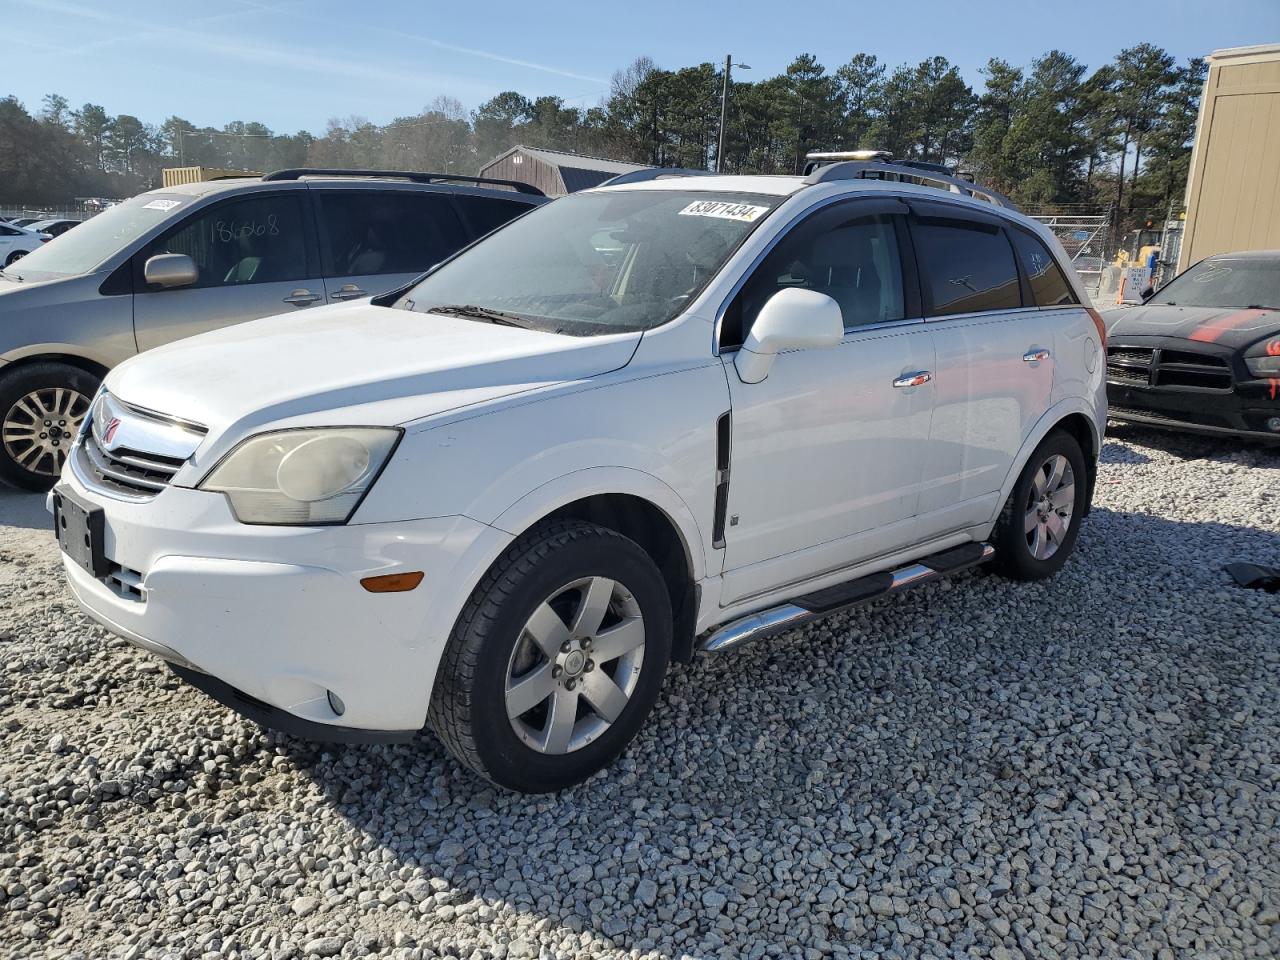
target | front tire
[
  {"x": 556, "y": 660},
  {"x": 41, "y": 408},
  {"x": 1038, "y": 527}
]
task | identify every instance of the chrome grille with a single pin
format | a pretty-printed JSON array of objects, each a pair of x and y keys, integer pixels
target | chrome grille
[{"x": 132, "y": 452}]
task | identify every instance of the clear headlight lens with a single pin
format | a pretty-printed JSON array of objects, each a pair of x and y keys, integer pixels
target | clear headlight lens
[
  {"x": 1265, "y": 366},
  {"x": 302, "y": 476}
]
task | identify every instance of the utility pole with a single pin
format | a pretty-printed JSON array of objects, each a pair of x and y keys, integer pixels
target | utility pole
[{"x": 724, "y": 109}]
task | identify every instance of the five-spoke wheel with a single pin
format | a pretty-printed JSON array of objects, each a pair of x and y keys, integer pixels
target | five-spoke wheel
[{"x": 557, "y": 658}]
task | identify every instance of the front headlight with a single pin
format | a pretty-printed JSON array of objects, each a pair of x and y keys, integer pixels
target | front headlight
[
  {"x": 302, "y": 476},
  {"x": 1263, "y": 366}
]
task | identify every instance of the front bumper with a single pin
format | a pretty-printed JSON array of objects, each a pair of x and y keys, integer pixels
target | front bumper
[
  {"x": 276, "y": 615},
  {"x": 1188, "y": 386}
]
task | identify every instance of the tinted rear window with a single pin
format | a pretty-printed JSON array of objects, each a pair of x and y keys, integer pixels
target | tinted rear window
[
  {"x": 486, "y": 214},
  {"x": 965, "y": 266},
  {"x": 1049, "y": 286},
  {"x": 371, "y": 232}
]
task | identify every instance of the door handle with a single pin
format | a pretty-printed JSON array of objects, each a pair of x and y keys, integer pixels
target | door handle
[
  {"x": 1035, "y": 356},
  {"x": 917, "y": 379},
  {"x": 301, "y": 297},
  {"x": 348, "y": 291}
]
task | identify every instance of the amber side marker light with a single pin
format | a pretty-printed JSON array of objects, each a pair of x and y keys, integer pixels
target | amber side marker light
[
  {"x": 393, "y": 582},
  {"x": 1101, "y": 325}
]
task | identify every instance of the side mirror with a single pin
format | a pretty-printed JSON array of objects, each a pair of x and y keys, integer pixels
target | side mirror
[
  {"x": 171, "y": 270},
  {"x": 792, "y": 319},
  {"x": 1147, "y": 294}
]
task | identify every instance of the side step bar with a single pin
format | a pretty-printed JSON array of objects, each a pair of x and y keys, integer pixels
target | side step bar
[{"x": 842, "y": 596}]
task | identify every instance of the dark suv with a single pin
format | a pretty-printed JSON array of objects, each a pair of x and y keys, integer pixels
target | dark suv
[{"x": 185, "y": 259}]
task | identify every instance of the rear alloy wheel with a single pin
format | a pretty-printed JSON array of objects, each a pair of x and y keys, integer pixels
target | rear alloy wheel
[
  {"x": 1050, "y": 504},
  {"x": 15, "y": 257},
  {"x": 556, "y": 659},
  {"x": 41, "y": 410},
  {"x": 1038, "y": 527}
]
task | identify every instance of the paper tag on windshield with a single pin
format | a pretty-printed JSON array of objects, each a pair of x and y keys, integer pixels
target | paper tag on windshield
[
  {"x": 724, "y": 210},
  {"x": 161, "y": 204}
]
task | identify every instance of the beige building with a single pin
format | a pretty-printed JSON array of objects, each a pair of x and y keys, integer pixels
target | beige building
[{"x": 1233, "y": 192}]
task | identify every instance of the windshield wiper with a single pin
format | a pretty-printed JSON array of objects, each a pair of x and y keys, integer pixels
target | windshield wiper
[
  {"x": 1260, "y": 306},
  {"x": 473, "y": 312},
  {"x": 11, "y": 276}
]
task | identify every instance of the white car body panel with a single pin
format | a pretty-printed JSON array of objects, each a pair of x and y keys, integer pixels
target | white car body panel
[{"x": 835, "y": 472}]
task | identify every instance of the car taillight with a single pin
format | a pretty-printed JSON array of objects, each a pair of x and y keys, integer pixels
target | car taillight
[{"x": 1102, "y": 327}]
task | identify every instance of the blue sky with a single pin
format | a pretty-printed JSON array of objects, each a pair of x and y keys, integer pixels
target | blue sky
[{"x": 292, "y": 64}]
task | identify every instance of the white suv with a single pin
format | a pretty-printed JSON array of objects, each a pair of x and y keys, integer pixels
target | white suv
[{"x": 659, "y": 416}]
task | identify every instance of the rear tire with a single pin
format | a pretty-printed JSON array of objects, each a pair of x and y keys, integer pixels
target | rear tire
[
  {"x": 1040, "y": 522},
  {"x": 556, "y": 659},
  {"x": 15, "y": 257},
  {"x": 41, "y": 408}
]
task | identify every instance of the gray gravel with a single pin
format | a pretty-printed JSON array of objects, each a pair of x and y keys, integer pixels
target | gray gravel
[{"x": 1082, "y": 768}]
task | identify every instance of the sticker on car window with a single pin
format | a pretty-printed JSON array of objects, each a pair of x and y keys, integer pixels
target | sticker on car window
[
  {"x": 724, "y": 210},
  {"x": 161, "y": 204}
]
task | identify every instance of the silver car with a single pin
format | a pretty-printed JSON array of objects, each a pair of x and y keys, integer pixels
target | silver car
[{"x": 185, "y": 259}]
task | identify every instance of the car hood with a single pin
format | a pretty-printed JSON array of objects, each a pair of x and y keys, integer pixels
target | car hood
[
  {"x": 1232, "y": 327},
  {"x": 378, "y": 365}
]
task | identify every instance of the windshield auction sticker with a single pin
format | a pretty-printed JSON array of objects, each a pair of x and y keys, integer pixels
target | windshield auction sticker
[{"x": 724, "y": 210}]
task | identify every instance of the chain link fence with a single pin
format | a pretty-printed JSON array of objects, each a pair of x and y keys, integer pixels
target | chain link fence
[
  {"x": 76, "y": 211},
  {"x": 1087, "y": 235}
]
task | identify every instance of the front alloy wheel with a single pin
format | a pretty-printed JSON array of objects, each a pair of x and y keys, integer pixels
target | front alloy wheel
[
  {"x": 575, "y": 666},
  {"x": 556, "y": 659}
]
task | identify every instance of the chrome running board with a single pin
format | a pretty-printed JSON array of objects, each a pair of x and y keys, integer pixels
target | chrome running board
[{"x": 775, "y": 620}]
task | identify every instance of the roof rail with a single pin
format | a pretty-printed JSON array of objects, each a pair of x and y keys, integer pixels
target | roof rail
[
  {"x": 654, "y": 173},
  {"x": 856, "y": 170},
  {"x": 297, "y": 173}
]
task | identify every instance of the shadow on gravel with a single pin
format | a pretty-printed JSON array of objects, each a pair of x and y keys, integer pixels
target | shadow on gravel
[
  {"x": 947, "y": 737},
  {"x": 21, "y": 509}
]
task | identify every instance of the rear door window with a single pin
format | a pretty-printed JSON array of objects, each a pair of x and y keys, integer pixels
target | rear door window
[
  {"x": 1049, "y": 286},
  {"x": 259, "y": 238},
  {"x": 486, "y": 214},
  {"x": 966, "y": 266},
  {"x": 372, "y": 232}
]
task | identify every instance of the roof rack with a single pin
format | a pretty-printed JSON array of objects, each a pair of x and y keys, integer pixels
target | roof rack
[
  {"x": 297, "y": 173},
  {"x": 654, "y": 173},
  {"x": 857, "y": 170}
]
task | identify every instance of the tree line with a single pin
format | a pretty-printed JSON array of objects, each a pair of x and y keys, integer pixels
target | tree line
[{"x": 1051, "y": 132}]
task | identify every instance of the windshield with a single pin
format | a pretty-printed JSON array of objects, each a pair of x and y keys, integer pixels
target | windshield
[
  {"x": 90, "y": 243},
  {"x": 1221, "y": 282},
  {"x": 596, "y": 263}
]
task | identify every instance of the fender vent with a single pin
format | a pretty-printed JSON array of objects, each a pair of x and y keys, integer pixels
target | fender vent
[{"x": 724, "y": 434}]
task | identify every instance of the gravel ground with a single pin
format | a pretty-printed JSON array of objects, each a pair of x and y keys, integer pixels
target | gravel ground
[{"x": 1081, "y": 768}]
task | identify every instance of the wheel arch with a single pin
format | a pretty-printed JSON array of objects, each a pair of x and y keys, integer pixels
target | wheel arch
[
  {"x": 90, "y": 366},
  {"x": 1073, "y": 416},
  {"x": 641, "y": 508}
]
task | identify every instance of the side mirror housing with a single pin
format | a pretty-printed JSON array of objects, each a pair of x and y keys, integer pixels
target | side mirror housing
[
  {"x": 792, "y": 319},
  {"x": 1147, "y": 294},
  {"x": 171, "y": 270}
]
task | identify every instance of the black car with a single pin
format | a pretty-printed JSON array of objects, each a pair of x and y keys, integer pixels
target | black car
[{"x": 1203, "y": 352}]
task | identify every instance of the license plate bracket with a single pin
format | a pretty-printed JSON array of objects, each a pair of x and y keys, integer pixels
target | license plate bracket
[{"x": 79, "y": 527}]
